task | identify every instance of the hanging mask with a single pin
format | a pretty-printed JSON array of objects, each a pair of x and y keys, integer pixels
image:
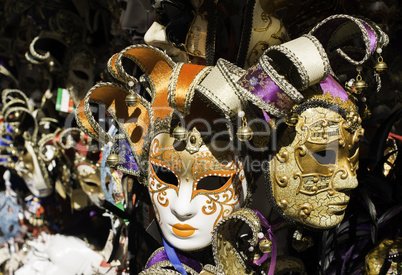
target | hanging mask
[
  {"x": 315, "y": 168},
  {"x": 89, "y": 178},
  {"x": 80, "y": 76}
]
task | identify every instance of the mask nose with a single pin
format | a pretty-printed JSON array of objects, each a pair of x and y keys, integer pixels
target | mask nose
[
  {"x": 344, "y": 180},
  {"x": 183, "y": 208}
]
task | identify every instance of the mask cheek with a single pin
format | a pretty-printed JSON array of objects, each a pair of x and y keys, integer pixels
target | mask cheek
[
  {"x": 219, "y": 204},
  {"x": 161, "y": 196}
]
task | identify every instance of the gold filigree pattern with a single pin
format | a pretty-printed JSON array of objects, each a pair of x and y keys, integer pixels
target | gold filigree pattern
[
  {"x": 166, "y": 157},
  {"x": 157, "y": 191}
]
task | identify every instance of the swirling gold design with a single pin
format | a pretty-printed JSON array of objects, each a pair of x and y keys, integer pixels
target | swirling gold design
[
  {"x": 283, "y": 155},
  {"x": 305, "y": 210},
  {"x": 266, "y": 18},
  {"x": 158, "y": 190},
  {"x": 166, "y": 156},
  {"x": 226, "y": 200}
]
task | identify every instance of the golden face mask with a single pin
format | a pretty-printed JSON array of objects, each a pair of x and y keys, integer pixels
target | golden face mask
[
  {"x": 315, "y": 169},
  {"x": 89, "y": 178}
]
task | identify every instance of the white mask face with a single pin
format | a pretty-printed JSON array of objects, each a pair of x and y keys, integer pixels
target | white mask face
[{"x": 192, "y": 192}]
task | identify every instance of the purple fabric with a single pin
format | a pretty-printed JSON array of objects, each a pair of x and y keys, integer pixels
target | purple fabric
[
  {"x": 372, "y": 37},
  {"x": 261, "y": 85},
  {"x": 162, "y": 256},
  {"x": 126, "y": 156},
  {"x": 334, "y": 88},
  {"x": 266, "y": 116},
  {"x": 323, "y": 35},
  {"x": 271, "y": 237}
]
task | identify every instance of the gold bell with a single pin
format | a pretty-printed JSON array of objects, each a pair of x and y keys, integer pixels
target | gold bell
[
  {"x": 381, "y": 66},
  {"x": 360, "y": 85},
  {"x": 244, "y": 132},
  {"x": 180, "y": 133},
  {"x": 265, "y": 245},
  {"x": 112, "y": 160},
  {"x": 131, "y": 100}
]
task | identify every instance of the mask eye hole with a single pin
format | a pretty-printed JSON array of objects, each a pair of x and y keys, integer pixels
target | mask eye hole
[
  {"x": 325, "y": 156},
  {"x": 90, "y": 183},
  {"x": 165, "y": 175},
  {"x": 81, "y": 75},
  {"x": 212, "y": 183}
]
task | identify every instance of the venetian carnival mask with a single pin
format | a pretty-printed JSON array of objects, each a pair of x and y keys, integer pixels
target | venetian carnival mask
[
  {"x": 193, "y": 187},
  {"x": 89, "y": 178},
  {"x": 80, "y": 76},
  {"x": 315, "y": 169}
]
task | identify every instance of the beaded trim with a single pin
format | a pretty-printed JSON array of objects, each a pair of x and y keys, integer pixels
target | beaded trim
[
  {"x": 191, "y": 90},
  {"x": 111, "y": 68},
  {"x": 301, "y": 69},
  {"x": 223, "y": 67},
  {"x": 189, "y": 98},
  {"x": 127, "y": 77},
  {"x": 362, "y": 29},
  {"x": 14, "y": 102},
  {"x": 208, "y": 96},
  {"x": 173, "y": 83}
]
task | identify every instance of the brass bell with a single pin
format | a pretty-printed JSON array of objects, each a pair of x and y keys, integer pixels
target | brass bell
[
  {"x": 265, "y": 245},
  {"x": 381, "y": 66},
  {"x": 244, "y": 133},
  {"x": 112, "y": 160},
  {"x": 180, "y": 133},
  {"x": 360, "y": 85},
  {"x": 131, "y": 100}
]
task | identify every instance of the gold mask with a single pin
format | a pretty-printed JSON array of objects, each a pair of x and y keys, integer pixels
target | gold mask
[
  {"x": 387, "y": 250},
  {"x": 315, "y": 168},
  {"x": 89, "y": 178}
]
